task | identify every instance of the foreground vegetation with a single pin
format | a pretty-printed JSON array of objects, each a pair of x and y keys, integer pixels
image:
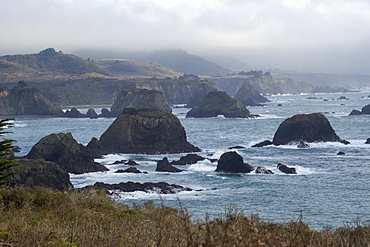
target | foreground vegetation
[{"x": 41, "y": 217}]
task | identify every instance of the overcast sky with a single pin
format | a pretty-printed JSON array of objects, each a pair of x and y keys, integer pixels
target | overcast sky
[{"x": 303, "y": 35}]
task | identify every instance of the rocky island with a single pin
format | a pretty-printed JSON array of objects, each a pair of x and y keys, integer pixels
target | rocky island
[{"x": 218, "y": 103}]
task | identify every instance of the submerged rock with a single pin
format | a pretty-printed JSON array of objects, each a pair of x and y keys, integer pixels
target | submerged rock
[
  {"x": 309, "y": 128},
  {"x": 263, "y": 170},
  {"x": 139, "y": 99},
  {"x": 145, "y": 131},
  {"x": 148, "y": 187},
  {"x": 262, "y": 144},
  {"x": 218, "y": 103},
  {"x": 65, "y": 151},
  {"x": 165, "y": 166},
  {"x": 232, "y": 162},
  {"x": 129, "y": 170}
]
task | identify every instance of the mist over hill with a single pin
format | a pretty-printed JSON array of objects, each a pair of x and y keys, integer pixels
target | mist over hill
[{"x": 177, "y": 60}]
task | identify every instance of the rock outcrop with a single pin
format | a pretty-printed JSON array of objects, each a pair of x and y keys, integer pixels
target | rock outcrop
[
  {"x": 367, "y": 141},
  {"x": 262, "y": 144},
  {"x": 232, "y": 162},
  {"x": 285, "y": 169},
  {"x": 188, "y": 159},
  {"x": 165, "y": 166},
  {"x": 364, "y": 110},
  {"x": 145, "y": 131},
  {"x": 263, "y": 170},
  {"x": 32, "y": 173},
  {"x": 26, "y": 101},
  {"x": 218, "y": 103},
  {"x": 249, "y": 96},
  {"x": 139, "y": 99},
  {"x": 64, "y": 150},
  {"x": 309, "y": 128},
  {"x": 148, "y": 187}
]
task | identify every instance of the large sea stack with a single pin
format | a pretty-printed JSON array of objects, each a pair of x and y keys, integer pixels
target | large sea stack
[
  {"x": 249, "y": 96},
  {"x": 313, "y": 127},
  {"x": 140, "y": 98},
  {"x": 145, "y": 131},
  {"x": 64, "y": 150},
  {"x": 232, "y": 162},
  {"x": 218, "y": 103}
]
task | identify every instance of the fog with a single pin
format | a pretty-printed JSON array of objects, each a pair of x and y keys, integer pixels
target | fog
[{"x": 306, "y": 35}]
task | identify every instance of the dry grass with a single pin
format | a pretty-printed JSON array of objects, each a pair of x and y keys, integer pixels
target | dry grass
[{"x": 41, "y": 217}]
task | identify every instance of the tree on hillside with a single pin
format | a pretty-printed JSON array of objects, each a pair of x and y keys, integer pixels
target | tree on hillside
[{"x": 6, "y": 146}]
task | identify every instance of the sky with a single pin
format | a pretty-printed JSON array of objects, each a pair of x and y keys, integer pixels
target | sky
[{"x": 325, "y": 36}]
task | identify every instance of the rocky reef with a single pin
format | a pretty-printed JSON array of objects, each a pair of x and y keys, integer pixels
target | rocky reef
[
  {"x": 218, "y": 103},
  {"x": 140, "y": 98},
  {"x": 145, "y": 131}
]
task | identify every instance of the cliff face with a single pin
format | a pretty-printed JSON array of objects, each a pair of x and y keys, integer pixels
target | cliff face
[
  {"x": 26, "y": 101},
  {"x": 263, "y": 84},
  {"x": 218, "y": 103},
  {"x": 139, "y": 99},
  {"x": 145, "y": 131}
]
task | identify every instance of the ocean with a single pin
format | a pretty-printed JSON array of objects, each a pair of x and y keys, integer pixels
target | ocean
[{"x": 328, "y": 189}]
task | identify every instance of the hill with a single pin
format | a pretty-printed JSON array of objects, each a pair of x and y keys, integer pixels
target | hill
[
  {"x": 126, "y": 67},
  {"x": 177, "y": 60}
]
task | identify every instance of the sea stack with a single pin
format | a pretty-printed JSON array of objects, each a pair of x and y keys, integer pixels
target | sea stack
[
  {"x": 145, "y": 131},
  {"x": 218, "y": 103},
  {"x": 309, "y": 128}
]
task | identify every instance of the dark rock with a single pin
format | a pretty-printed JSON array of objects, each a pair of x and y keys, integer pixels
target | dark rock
[
  {"x": 345, "y": 142},
  {"x": 139, "y": 99},
  {"x": 74, "y": 113},
  {"x": 367, "y": 141},
  {"x": 262, "y": 144},
  {"x": 188, "y": 159},
  {"x": 105, "y": 113},
  {"x": 309, "y": 128},
  {"x": 341, "y": 153},
  {"x": 165, "y": 166},
  {"x": 91, "y": 113},
  {"x": 302, "y": 144},
  {"x": 213, "y": 160},
  {"x": 285, "y": 169},
  {"x": 355, "y": 112},
  {"x": 145, "y": 131},
  {"x": 148, "y": 187},
  {"x": 64, "y": 150},
  {"x": 364, "y": 110},
  {"x": 236, "y": 147},
  {"x": 32, "y": 173},
  {"x": 129, "y": 170},
  {"x": 263, "y": 170},
  {"x": 232, "y": 162},
  {"x": 131, "y": 163},
  {"x": 249, "y": 96},
  {"x": 26, "y": 101},
  {"x": 218, "y": 103},
  {"x": 342, "y": 98},
  {"x": 93, "y": 148},
  {"x": 119, "y": 162},
  {"x": 279, "y": 105}
]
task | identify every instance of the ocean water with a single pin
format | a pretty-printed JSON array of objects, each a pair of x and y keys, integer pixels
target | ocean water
[{"x": 329, "y": 189}]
